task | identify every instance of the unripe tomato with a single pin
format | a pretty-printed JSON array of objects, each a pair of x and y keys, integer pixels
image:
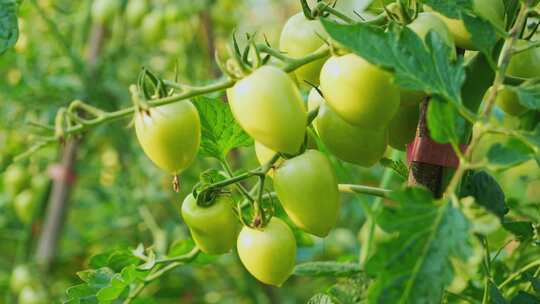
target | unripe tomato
[
  {"x": 490, "y": 10},
  {"x": 428, "y": 21},
  {"x": 20, "y": 277},
  {"x": 153, "y": 27},
  {"x": 24, "y": 205},
  {"x": 307, "y": 188},
  {"x": 32, "y": 295},
  {"x": 299, "y": 38},
  {"x": 15, "y": 179},
  {"x": 268, "y": 253},
  {"x": 402, "y": 128},
  {"x": 105, "y": 10},
  {"x": 359, "y": 92},
  {"x": 268, "y": 106},
  {"x": 170, "y": 135},
  {"x": 135, "y": 11},
  {"x": 214, "y": 228},
  {"x": 357, "y": 145},
  {"x": 525, "y": 64},
  {"x": 508, "y": 101}
]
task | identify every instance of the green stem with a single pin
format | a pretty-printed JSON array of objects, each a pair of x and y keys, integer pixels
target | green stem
[
  {"x": 374, "y": 191},
  {"x": 518, "y": 273},
  {"x": 325, "y": 7}
]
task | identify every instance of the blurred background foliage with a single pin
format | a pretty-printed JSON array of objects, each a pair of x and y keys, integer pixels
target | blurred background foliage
[{"x": 119, "y": 199}]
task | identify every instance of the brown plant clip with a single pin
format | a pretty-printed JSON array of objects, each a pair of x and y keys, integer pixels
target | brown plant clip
[{"x": 176, "y": 184}]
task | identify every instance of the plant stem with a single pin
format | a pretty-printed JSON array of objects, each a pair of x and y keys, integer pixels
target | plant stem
[
  {"x": 374, "y": 191},
  {"x": 519, "y": 272},
  {"x": 504, "y": 60}
]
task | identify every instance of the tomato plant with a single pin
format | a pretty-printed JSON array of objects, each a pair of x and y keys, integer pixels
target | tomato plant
[{"x": 354, "y": 152}]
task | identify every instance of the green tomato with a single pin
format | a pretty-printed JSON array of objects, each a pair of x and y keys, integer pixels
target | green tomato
[
  {"x": 105, "y": 10},
  {"x": 153, "y": 27},
  {"x": 268, "y": 253},
  {"x": 135, "y": 11},
  {"x": 490, "y": 10},
  {"x": 402, "y": 128},
  {"x": 21, "y": 276},
  {"x": 170, "y": 135},
  {"x": 214, "y": 228},
  {"x": 32, "y": 295},
  {"x": 24, "y": 205},
  {"x": 299, "y": 38},
  {"x": 15, "y": 179},
  {"x": 357, "y": 145},
  {"x": 359, "y": 92},
  {"x": 508, "y": 101},
  {"x": 525, "y": 64},
  {"x": 307, "y": 188},
  {"x": 269, "y": 107},
  {"x": 428, "y": 21}
]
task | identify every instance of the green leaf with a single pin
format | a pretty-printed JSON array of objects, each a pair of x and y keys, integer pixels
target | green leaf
[
  {"x": 486, "y": 192},
  {"x": 449, "y": 8},
  {"x": 350, "y": 291},
  {"x": 332, "y": 269},
  {"x": 182, "y": 247},
  {"x": 397, "y": 165},
  {"x": 415, "y": 267},
  {"x": 9, "y": 29},
  {"x": 94, "y": 280},
  {"x": 511, "y": 153},
  {"x": 524, "y": 298},
  {"x": 523, "y": 230},
  {"x": 535, "y": 282},
  {"x": 495, "y": 295},
  {"x": 528, "y": 95},
  {"x": 417, "y": 65},
  {"x": 444, "y": 123},
  {"x": 321, "y": 298},
  {"x": 220, "y": 132}
]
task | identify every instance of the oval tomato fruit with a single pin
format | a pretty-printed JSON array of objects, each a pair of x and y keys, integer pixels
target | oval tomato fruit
[
  {"x": 105, "y": 10},
  {"x": 15, "y": 179},
  {"x": 214, "y": 228},
  {"x": 153, "y": 27},
  {"x": 359, "y": 92},
  {"x": 268, "y": 106},
  {"x": 299, "y": 38},
  {"x": 307, "y": 188},
  {"x": 268, "y": 253},
  {"x": 508, "y": 101},
  {"x": 21, "y": 276},
  {"x": 357, "y": 145},
  {"x": 490, "y": 10},
  {"x": 24, "y": 205},
  {"x": 135, "y": 11},
  {"x": 402, "y": 128},
  {"x": 170, "y": 135},
  {"x": 525, "y": 64}
]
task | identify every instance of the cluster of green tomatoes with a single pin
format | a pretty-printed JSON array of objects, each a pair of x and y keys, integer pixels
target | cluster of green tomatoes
[{"x": 360, "y": 112}]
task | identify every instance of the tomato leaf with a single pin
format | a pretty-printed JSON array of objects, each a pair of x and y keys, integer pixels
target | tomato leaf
[
  {"x": 522, "y": 229},
  {"x": 321, "y": 298},
  {"x": 486, "y": 192},
  {"x": 417, "y": 66},
  {"x": 9, "y": 29},
  {"x": 415, "y": 266},
  {"x": 495, "y": 294},
  {"x": 449, "y": 8},
  {"x": 321, "y": 269},
  {"x": 524, "y": 298},
  {"x": 397, "y": 165},
  {"x": 444, "y": 123},
  {"x": 220, "y": 132},
  {"x": 511, "y": 153},
  {"x": 528, "y": 95}
]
